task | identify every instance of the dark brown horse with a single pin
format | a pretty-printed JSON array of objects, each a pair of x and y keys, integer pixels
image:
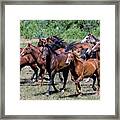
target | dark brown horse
[
  {"x": 83, "y": 69},
  {"x": 51, "y": 40},
  {"x": 55, "y": 63},
  {"x": 36, "y": 53}
]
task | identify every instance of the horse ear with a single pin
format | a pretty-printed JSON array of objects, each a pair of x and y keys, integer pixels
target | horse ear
[
  {"x": 28, "y": 44},
  {"x": 46, "y": 45},
  {"x": 39, "y": 39}
]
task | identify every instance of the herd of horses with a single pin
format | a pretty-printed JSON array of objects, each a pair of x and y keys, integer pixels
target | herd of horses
[{"x": 54, "y": 55}]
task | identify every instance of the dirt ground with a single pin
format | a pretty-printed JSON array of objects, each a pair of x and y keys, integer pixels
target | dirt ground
[{"x": 34, "y": 91}]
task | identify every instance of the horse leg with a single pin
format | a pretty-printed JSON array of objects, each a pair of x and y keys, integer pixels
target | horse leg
[
  {"x": 34, "y": 67},
  {"x": 77, "y": 83},
  {"x": 65, "y": 75},
  {"x": 71, "y": 77},
  {"x": 98, "y": 81},
  {"x": 41, "y": 74},
  {"x": 50, "y": 82},
  {"x": 61, "y": 79},
  {"x": 98, "y": 84},
  {"x": 52, "y": 78},
  {"x": 94, "y": 80},
  {"x": 20, "y": 68},
  {"x": 78, "y": 88}
]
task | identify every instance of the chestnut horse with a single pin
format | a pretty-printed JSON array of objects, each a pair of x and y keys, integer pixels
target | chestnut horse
[
  {"x": 83, "y": 69},
  {"x": 36, "y": 53},
  {"x": 28, "y": 60}
]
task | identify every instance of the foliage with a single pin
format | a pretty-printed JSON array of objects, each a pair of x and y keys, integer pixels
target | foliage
[{"x": 66, "y": 29}]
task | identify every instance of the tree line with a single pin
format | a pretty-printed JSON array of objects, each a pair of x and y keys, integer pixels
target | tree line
[{"x": 68, "y": 30}]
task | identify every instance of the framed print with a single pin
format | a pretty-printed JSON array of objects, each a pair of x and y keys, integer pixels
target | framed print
[{"x": 60, "y": 59}]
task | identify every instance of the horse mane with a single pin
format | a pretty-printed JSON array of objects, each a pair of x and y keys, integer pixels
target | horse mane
[
  {"x": 70, "y": 46},
  {"x": 95, "y": 38},
  {"x": 36, "y": 48},
  {"x": 50, "y": 48},
  {"x": 60, "y": 39},
  {"x": 29, "y": 44},
  {"x": 76, "y": 57}
]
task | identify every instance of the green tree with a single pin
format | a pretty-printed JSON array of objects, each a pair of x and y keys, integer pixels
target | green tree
[{"x": 67, "y": 29}]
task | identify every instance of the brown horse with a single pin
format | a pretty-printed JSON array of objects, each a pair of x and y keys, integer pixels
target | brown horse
[
  {"x": 80, "y": 46},
  {"x": 75, "y": 46},
  {"x": 55, "y": 63},
  {"x": 28, "y": 60},
  {"x": 87, "y": 50},
  {"x": 36, "y": 53},
  {"x": 50, "y": 40},
  {"x": 83, "y": 69}
]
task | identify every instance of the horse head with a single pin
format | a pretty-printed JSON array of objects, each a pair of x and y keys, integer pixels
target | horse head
[
  {"x": 90, "y": 38},
  {"x": 49, "y": 40},
  {"x": 42, "y": 42},
  {"x": 70, "y": 57},
  {"x": 25, "y": 50},
  {"x": 30, "y": 49}
]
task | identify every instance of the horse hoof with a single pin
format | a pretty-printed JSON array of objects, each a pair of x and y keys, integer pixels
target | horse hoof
[
  {"x": 33, "y": 79},
  {"x": 47, "y": 94},
  {"x": 56, "y": 90},
  {"x": 77, "y": 94},
  {"x": 62, "y": 91},
  {"x": 80, "y": 94}
]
